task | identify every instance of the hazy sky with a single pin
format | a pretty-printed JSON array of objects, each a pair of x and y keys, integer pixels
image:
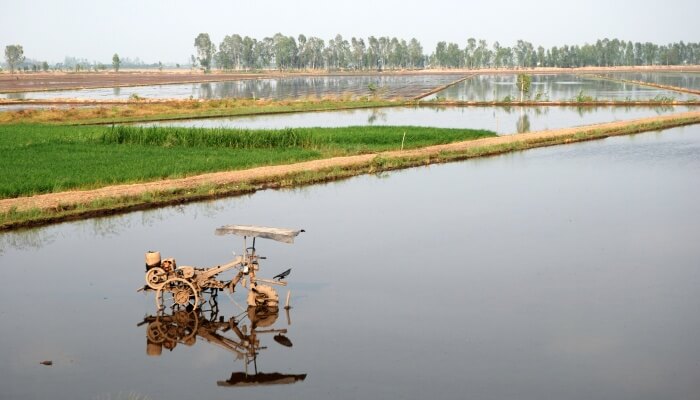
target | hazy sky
[{"x": 160, "y": 30}]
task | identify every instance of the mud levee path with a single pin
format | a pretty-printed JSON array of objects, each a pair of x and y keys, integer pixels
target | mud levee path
[{"x": 272, "y": 173}]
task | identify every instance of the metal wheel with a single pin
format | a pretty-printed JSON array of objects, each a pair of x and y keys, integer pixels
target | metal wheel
[
  {"x": 156, "y": 277},
  {"x": 263, "y": 295},
  {"x": 181, "y": 326},
  {"x": 154, "y": 332},
  {"x": 177, "y": 293}
]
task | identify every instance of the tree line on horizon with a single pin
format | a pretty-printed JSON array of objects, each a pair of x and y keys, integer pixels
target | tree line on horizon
[{"x": 236, "y": 52}]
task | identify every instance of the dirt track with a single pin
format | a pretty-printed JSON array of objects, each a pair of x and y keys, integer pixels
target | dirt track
[
  {"x": 53, "y": 200},
  {"x": 29, "y": 82}
]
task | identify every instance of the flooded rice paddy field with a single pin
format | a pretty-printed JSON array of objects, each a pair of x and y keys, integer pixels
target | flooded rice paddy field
[
  {"x": 389, "y": 86},
  {"x": 554, "y": 87},
  {"x": 498, "y": 119},
  {"x": 687, "y": 80},
  {"x": 562, "y": 272},
  {"x": 559, "y": 87}
]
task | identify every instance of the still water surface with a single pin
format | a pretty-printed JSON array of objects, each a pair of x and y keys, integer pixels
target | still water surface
[
  {"x": 387, "y": 86},
  {"x": 562, "y": 87},
  {"x": 688, "y": 80},
  {"x": 568, "y": 272},
  {"x": 500, "y": 120}
]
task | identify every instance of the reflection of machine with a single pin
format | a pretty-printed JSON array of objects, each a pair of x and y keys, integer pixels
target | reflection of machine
[
  {"x": 182, "y": 287},
  {"x": 173, "y": 327}
]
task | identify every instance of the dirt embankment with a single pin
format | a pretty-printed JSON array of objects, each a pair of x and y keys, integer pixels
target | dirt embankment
[
  {"x": 31, "y": 82},
  {"x": 272, "y": 173}
]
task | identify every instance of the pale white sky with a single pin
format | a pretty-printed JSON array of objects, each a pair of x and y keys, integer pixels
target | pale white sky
[{"x": 164, "y": 30}]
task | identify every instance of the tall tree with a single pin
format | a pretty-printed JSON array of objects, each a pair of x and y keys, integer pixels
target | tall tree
[
  {"x": 373, "y": 53},
  {"x": 469, "y": 51},
  {"x": 14, "y": 55},
  {"x": 540, "y": 56},
  {"x": 415, "y": 54},
  {"x": 454, "y": 55},
  {"x": 205, "y": 50},
  {"x": 248, "y": 55},
  {"x": 285, "y": 51},
  {"x": 523, "y": 84},
  {"x": 440, "y": 54},
  {"x": 116, "y": 62},
  {"x": 481, "y": 54},
  {"x": 358, "y": 52}
]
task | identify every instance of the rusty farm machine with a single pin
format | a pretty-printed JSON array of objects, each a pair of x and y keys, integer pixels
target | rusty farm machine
[{"x": 183, "y": 287}]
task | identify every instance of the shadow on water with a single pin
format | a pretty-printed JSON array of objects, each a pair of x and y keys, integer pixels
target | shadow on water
[
  {"x": 187, "y": 306},
  {"x": 245, "y": 336}
]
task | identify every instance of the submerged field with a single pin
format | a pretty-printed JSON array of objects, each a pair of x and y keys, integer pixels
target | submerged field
[
  {"x": 43, "y": 159},
  {"x": 79, "y": 145}
]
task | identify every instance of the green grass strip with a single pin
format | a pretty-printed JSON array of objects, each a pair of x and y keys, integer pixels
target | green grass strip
[{"x": 50, "y": 158}]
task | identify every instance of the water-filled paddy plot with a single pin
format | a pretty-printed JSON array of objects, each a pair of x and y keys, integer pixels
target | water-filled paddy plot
[
  {"x": 686, "y": 80},
  {"x": 559, "y": 87},
  {"x": 559, "y": 272},
  {"x": 502, "y": 120},
  {"x": 389, "y": 86}
]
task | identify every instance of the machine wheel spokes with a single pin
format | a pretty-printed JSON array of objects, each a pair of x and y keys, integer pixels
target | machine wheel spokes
[
  {"x": 181, "y": 326},
  {"x": 156, "y": 277},
  {"x": 154, "y": 332},
  {"x": 177, "y": 293}
]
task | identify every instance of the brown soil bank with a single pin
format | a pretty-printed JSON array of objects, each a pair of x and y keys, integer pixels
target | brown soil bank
[
  {"x": 55, "y": 207},
  {"x": 32, "y": 82}
]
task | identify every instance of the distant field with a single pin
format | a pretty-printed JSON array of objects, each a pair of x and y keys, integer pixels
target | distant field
[
  {"x": 26, "y": 82},
  {"x": 43, "y": 159}
]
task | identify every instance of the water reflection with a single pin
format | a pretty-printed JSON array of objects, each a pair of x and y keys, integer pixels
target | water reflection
[
  {"x": 187, "y": 306},
  {"x": 546, "y": 285},
  {"x": 688, "y": 80},
  {"x": 559, "y": 87},
  {"x": 387, "y": 86},
  {"x": 502, "y": 120},
  {"x": 206, "y": 91},
  {"x": 166, "y": 330},
  {"x": 104, "y": 227},
  {"x": 377, "y": 114},
  {"x": 523, "y": 124},
  {"x": 26, "y": 239}
]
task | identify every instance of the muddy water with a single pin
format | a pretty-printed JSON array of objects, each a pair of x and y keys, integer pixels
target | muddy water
[
  {"x": 298, "y": 87},
  {"x": 568, "y": 272},
  {"x": 500, "y": 120},
  {"x": 551, "y": 87}
]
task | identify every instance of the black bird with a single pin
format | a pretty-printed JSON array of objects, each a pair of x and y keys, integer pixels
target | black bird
[
  {"x": 282, "y": 275},
  {"x": 283, "y": 340}
]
